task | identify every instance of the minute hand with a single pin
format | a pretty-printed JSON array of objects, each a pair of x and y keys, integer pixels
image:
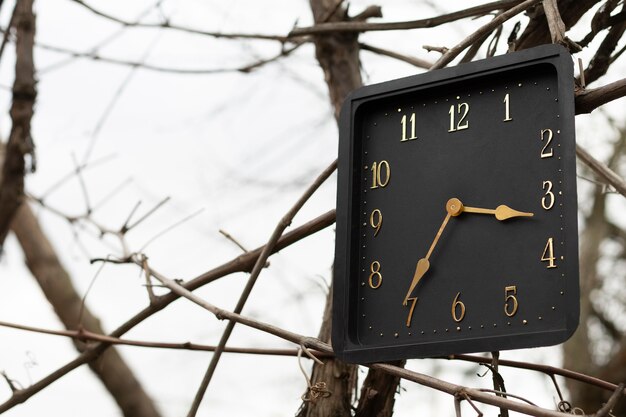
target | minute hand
[{"x": 501, "y": 212}]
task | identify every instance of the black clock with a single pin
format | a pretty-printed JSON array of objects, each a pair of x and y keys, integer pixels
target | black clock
[{"x": 457, "y": 211}]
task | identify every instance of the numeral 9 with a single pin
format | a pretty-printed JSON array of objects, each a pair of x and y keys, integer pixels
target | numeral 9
[{"x": 376, "y": 220}]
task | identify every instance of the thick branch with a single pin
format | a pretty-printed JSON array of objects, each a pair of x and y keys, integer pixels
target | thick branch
[
  {"x": 242, "y": 263},
  {"x": 589, "y": 100},
  {"x": 334, "y": 27},
  {"x": 20, "y": 142},
  {"x": 57, "y": 286}
]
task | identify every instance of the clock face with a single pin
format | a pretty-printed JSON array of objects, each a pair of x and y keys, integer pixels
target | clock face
[{"x": 457, "y": 211}]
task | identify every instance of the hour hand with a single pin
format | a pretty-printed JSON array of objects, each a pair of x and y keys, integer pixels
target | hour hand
[{"x": 501, "y": 212}]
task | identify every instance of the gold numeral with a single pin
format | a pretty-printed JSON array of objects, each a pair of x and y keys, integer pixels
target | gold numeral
[
  {"x": 510, "y": 301},
  {"x": 545, "y": 151},
  {"x": 380, "y": 176},
  {"x": 458, "y": 303},
  {"x": 547, "y": 201},
  {"x": 462, "y": 123},
  {"x": 548, "y": 254},
  {"x": 413, "y": 301},
  {"x": 507, "y": 110},
  {"x": 376, "y": 220},
  {"x": 412, "y": 122},
  {"x": 375, "y": 275}
]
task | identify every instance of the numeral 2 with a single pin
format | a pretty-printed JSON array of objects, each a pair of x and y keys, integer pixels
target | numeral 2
[{"x": 545, "y": 151}]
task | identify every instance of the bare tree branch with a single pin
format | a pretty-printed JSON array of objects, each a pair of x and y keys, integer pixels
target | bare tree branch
[
  {"x": 242, "y": 263},
  {"x": 20, "y": 141},
  {"x": 333, "y": 27},
  {"x": 478, "y": 34},
  {"x": 57, "y": 286},
  {"x": 417, "y": 62},
  {"x": 188, "y": 71},
  {"x": 589, "y": 100},
  {"x": 284, "y": 222},
  {"x": 168, "y": 25},
  {"x": 602, "y": 170}
]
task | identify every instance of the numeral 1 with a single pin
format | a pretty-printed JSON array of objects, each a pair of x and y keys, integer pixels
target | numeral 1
[
  {"x": 546, "y": 134},
  {"x": 548, "y": 254},
  {"x": 507, "y": 113},
  {"x": 462, "y": 123},
  {"x": 412, "y": 122},
  {"x": 379, "y": 180}
]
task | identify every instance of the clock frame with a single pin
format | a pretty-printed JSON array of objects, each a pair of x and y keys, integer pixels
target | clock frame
[{"x": 494, "y": 132}]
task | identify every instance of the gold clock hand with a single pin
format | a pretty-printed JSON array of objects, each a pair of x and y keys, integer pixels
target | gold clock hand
[
  {"x": 454, "y": 208},
  {"x": 501, "y": 212}
]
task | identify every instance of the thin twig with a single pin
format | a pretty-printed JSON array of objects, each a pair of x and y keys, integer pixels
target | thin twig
[
  {"x": 83, "y": 185},
  {"x": 149, "y": 213},
  {"x": 233, "y": 240},
  {"x": 5, "y": 38},
  {"x": 256, "y": 270},
  {"x": 417, "y": 62},
  {"x": 497, "y": 21},
  {"x": 170, "y": 228},
  {"x": 86, "y": 335},
  {"x": 546, "y": 369},
  {"x": 171, "y": 70},
  {"x": 602, "y": 170},
  {"x": 239, "y": 264},
  {"x": 168, "y": 25}
]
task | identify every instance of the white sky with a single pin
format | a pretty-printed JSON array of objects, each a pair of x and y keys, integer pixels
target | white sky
[{"x": 241, "y": 147}]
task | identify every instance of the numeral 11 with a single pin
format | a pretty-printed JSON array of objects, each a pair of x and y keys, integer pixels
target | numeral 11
[{"x": 412, "y": 121}]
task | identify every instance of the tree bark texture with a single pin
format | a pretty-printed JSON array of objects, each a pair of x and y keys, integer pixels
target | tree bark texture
[
  {"x": 338, "y": 56},
  {"x": 57, "y": 287},
  {"x": 537, "y": 32},
  {"x": 24, "y": 94}
]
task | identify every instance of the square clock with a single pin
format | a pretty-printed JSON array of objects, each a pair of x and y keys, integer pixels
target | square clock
[{"x": 457, "y": 211}]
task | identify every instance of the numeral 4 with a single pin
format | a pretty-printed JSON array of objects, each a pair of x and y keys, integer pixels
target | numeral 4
[{"x": 548, "y": 254}]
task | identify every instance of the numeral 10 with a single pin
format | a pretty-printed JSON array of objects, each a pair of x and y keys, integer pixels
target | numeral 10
[{"x": 380, "y": 175}]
